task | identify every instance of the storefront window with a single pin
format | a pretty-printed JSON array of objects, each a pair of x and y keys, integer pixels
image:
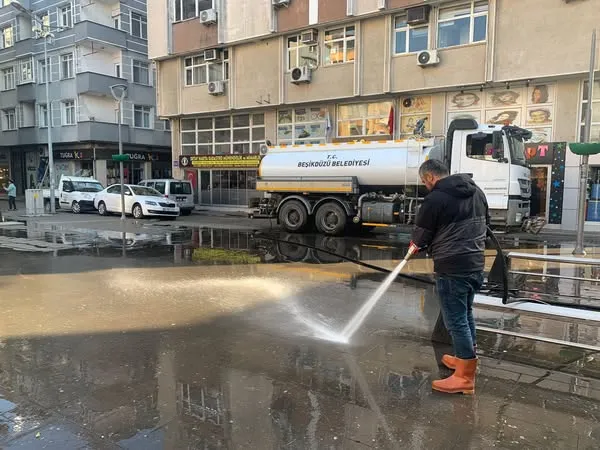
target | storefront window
[
  {"x": 233, "y": 187},
  {"x": 364, "y": 119},
  {"x": 415, "y": 115},
  {"x": 133, "y": 172},
  {"x": 224, "y": 135},
  {"x": 4, "y": 169},
  {"x": 593, "y": 195},
  {"x": 302, "y": 125}
]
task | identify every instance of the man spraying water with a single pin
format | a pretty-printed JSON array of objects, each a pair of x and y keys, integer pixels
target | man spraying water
[{"x": 451, "y": 225}]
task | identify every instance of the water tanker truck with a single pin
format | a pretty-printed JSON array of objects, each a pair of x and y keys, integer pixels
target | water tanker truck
[{"x": 376, "y": 183}]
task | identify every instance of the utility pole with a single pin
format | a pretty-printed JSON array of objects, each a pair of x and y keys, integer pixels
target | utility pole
[
  {"x": 583, "y": 170},
  {"x": 119, "y": 91}
]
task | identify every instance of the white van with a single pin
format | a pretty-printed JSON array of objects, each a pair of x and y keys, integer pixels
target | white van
[
  {"x": 74, "y": 193},
  {"x": 179, "y": 191}
]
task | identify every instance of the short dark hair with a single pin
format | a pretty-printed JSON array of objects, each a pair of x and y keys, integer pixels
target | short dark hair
[{"x": 434, "y": 167}]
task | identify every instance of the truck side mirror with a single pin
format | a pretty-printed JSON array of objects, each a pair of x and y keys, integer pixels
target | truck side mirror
[{"x": 497, "y": 141}]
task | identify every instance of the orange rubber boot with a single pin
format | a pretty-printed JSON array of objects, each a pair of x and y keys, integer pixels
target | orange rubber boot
[
  {"x": 461, "y": 381},
  {"x": 449, "y": 361}
]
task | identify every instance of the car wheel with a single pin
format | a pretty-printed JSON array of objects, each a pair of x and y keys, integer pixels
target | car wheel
[
  {"x": 102, "y": 209},
  {"x": 75, "y": 207},
  {"x": 137, "y": 211}
]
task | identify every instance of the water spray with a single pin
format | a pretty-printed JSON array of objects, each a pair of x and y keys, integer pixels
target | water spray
[{"x": 358, "y": 318}]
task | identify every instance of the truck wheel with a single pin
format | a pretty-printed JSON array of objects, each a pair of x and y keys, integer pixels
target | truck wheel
[
  {"x": 293, "y": 216},
  {"x": 75, "y": 207},
  {"x": 331, "y": 219}
]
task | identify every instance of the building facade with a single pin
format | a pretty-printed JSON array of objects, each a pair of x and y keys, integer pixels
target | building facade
[
  {"x": 233, "y": 74},
  {"x": 94, "y": 44}
]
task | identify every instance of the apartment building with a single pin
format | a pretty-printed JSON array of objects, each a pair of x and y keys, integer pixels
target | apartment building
[
  {"x": 233, "y": 74},
  {"x": 94, "y": 44}
]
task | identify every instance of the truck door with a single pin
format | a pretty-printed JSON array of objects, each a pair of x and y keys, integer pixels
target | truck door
[
  {"x": 65, "y": 194},
  {"x": 486, "y": 158}
]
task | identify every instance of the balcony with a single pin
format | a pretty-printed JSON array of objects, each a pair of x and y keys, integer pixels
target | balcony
[
  {"x": 91, "y": 31},
  {"x": 97, "y": 83},
  {"x": 27, "y": 92}
]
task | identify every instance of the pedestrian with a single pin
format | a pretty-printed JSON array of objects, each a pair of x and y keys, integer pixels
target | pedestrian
[
  {"x": 11, "y": 190},
  {"x": 452, "y": 225}
]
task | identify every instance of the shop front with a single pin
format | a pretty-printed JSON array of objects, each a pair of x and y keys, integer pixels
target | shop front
[
  {"x": 547, "y": 161},
  {"x": 4, "y": 168},
  {"x": 98, "y": 164},
  {"x": 222, "y": 180}
]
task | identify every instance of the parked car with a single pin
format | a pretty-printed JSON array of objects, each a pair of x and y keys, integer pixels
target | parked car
[
  {"x": 140, "y": 201},
  {"x": 74, "y": 193},
  {"x": 179, "y": 191}
]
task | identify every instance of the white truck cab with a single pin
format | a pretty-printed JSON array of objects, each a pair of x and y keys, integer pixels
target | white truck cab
[{"x": 75, "y": 193}]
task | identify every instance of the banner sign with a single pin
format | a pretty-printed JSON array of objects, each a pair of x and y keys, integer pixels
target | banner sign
[{"x": 219, "y": 161}]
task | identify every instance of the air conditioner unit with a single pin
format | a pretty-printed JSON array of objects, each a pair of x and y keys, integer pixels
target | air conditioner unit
[
  {"x": 281, "y": 3},
  {"x": 301, "y": 75},
  {"x": 208, "y": 16},
  {"x": 428, "y": 58},
  {"x": 211, "y": 55},
  {"x": 309, "y": 37},
  {"x": 216, "y": 87},
  {"x": 418, "y": 15},
  {"x": 263, "y": 149}
]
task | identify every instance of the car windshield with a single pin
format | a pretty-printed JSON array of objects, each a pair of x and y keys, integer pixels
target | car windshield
[
  {"x": 181, "y": 188},
  {"x": 143, "y": 190},
  {"x": 87, "y": 186}
]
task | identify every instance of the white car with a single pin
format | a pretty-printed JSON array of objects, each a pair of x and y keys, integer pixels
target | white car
[{"x": 140, "y": 201}]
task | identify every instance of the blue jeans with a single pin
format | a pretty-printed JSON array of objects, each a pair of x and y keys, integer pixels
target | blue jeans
[{"x": 456, "y": 293}]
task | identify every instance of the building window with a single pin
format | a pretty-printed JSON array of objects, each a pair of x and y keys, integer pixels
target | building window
[
  {"x": 199, "y": 71},
  {"x": 66, "y": 66},
  {"x": 141, "y": 116},
  {"x": 339, "y": 45},
  {"x": 224, "y": 135},
  {"x": 462, "y": 25},
  {"x": 43, "y": 115},
  {"x": 300, "y": 54},
  {"x": 415, "y": 115},
  {"x": 65, "y": 16},
  {"x": 595, "y": 131},
  {"x": 8, "y": 78},
  {"x": 42, "y": 67},
  {"x": 43, "y": 21},
  {"x": 117, "y": 22},
  {"x": 118, "y": 70},
  {"x": 364, "y": 119},
  {"x": 9, "y": 119},
  {"x": 141, "y": 72},
  {"x": 167, "y": 125},
  {"x": 139, "y": 26},
  {"x": 26, "y": 71},
  {"x": 408, "y": 38},
  {"x": 7, "y": 37},
  {"x": 68, "y": 112},
  {"x": 302, "y": 125},
  {"x": 188, "y": 9}
]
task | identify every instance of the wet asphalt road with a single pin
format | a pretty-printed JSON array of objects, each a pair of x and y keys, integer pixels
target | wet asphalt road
[{"x": 167, "y": 337}]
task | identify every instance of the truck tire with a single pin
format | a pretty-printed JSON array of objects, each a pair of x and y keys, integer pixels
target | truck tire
[
  {"x": 75, "y": 207},
  {"x": 293, "y": 216},
  {"x": 331, "y": 219}
]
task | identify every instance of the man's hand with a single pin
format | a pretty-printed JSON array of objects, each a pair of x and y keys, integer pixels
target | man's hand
[{"x": 413, "y": 248}]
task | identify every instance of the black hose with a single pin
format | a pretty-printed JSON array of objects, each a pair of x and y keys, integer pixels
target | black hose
[{"x": 500, "y": 253}]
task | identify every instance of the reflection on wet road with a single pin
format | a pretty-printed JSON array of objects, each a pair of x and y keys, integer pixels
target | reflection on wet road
[{"x": 149, "y": 345}]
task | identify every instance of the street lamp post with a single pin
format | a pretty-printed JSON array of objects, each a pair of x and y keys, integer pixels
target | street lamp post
[
  {"x": 119, "y": 91},
  {"x": 46, "y": 35}
]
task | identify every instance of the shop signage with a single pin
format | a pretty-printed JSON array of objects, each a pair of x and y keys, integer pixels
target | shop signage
[
  {"x": 219, "y": 161},
  {"x": 72, "y": 154},
  {"x": 540, "y": 153}
]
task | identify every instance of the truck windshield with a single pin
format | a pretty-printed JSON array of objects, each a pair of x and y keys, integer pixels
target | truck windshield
[
  {"x": 87, "y": 186},
  {"x": 517, "y": 150}
]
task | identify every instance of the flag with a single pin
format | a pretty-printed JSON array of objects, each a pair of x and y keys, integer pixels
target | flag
[
  {"x": 327, "y": 126},
  {"x": 390, "y": 123}
]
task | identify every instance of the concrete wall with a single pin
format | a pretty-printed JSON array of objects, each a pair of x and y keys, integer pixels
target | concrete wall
[
  {"x": 540, "y": 38},
  {"x": 159, "y": 22},
  {"x": 255, "y": 77},
  {"x": 243, "y": 19}
]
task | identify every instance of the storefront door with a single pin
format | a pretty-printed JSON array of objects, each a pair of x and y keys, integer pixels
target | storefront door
[
  {"x": 204, "y": 187},
  {"x": 540, "y": 190}
]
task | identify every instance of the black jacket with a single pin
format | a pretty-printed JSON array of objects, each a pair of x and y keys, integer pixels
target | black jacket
[{"x": 452, "y": 224}]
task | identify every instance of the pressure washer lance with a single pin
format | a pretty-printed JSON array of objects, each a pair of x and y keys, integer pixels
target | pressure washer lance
[{"x": 366, "y": 308}]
